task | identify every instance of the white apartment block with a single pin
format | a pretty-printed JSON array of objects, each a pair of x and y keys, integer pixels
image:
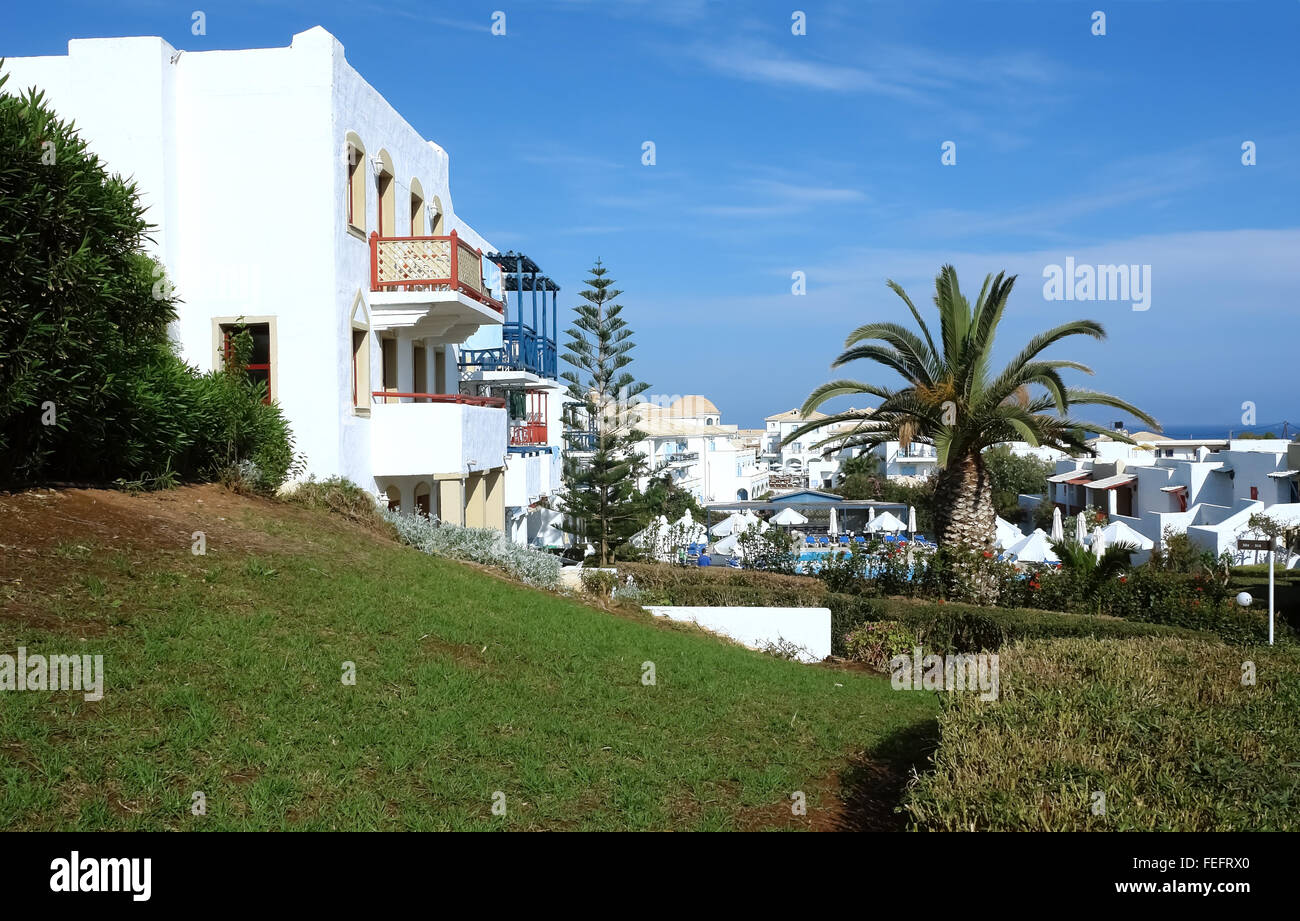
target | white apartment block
[
  {"x": 801, "y": 464},
  {"x": 365, "y": 290},
  {"x": 1210, "y": 497},
  {"x": 687, "y": 440}
]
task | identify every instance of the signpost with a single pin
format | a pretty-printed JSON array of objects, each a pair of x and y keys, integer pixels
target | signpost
[{"x": 1248, "y": 544}]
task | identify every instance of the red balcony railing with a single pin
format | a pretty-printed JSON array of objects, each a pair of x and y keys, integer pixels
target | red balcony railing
[
  {"x": 429, "y": 264},
  {"x": 495, "y": 402},
  {"x": 528, "y": 426},
  {"x": 527, "y": 433}
]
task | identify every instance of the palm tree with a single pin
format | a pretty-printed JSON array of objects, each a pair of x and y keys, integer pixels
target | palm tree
[
  {"x": 952, "y": 400},
  {"x": 1080, "y": 560},
  {"x": 1091, "y": 572}
]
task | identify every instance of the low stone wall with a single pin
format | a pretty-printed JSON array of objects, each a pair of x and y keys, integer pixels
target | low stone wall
[{"x": 808, "y": 628}]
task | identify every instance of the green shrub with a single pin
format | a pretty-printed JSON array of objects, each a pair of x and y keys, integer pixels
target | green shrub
[
  {"x": 664, "y": 580},
  {"x": 845, "y": 573},
  {"x": 339, "y": 496},
  {"x": 598, "y": 582},
  {"x": 875, "y": 643},
  {"x": 1184, "y": 744},
  {"x": 78, "y": 316},
  {"x": 772, "y": 550},
  {"x": 945, "y": 626},
  {"x": 952, "y": 627}
]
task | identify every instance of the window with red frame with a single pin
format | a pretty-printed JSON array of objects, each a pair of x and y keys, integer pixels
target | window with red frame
[{"x": 259, "y": 362}]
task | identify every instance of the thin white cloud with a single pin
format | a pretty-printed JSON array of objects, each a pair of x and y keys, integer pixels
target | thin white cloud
[{"x": 904, "y": 73}]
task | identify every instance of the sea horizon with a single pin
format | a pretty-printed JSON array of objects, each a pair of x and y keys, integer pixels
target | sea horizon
[{"x": 1220, "y": 430}]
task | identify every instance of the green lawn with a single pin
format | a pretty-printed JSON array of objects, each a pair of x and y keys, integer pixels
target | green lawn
[{"x": 224, "y": 675}]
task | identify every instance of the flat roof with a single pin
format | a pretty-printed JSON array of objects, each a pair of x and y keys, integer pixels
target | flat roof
[
  {"x": 1110, "y": 482},
  {"x": 1073, "y": 477}
]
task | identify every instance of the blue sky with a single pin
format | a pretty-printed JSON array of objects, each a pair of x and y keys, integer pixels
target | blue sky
[{"x": 820, "y": 153}]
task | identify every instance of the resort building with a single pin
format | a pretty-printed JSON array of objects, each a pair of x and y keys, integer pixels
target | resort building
[
  {"x": 687, "y": 441},
  {"x": 374, "y": 306},
  {"x": 518, "y": 362},
  {"x": 801, "y": 464},
  {"x": 1210, "y": 497}
]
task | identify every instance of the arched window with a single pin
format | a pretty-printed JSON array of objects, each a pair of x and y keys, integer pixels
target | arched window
[
  {"x": 417, "y": 208},
  {"x": 439, "y": 221},
  {"x": 360, "y": 328},
  {"x": 355, "y": 155},
  {"x": 387, "y": 195}
]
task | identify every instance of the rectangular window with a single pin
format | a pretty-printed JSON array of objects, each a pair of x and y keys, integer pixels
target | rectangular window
[
  {"x": 1254, "y": 492},
  {"x": 389, "y": 349},
  {"x": 419, "y": 367},
  {"x": 259, "y": 362}
]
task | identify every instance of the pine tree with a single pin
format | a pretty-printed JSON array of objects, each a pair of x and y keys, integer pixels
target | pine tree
[{"x": 601, "y": 499}]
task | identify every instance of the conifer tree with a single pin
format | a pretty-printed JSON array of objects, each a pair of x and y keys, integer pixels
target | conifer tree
[{"x": 601, "y": 498}]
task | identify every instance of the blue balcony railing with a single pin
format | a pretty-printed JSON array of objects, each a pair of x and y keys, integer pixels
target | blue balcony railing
[
  {"x": 579, "y": 440},
  {"x": 522, "y": 349}
]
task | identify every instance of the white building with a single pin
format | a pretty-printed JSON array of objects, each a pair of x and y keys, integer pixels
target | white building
[
  {"x": 362, "y": 290},
  {"x": 519, "y": 362},
  {"x": 687, "y": 440},
  {"x": 1210, "y": 497},
  {"x": 802, "y": 464}
]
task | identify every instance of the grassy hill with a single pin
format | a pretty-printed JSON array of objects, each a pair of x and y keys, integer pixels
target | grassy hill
[{"x": 223, "y": 675}]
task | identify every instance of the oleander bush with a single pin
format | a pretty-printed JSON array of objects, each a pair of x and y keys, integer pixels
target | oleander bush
[
  {"x": 1171, "y": 731},
  {"x": 91, "y": 388}
]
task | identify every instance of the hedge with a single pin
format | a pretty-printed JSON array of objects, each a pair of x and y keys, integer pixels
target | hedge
[
  {"x": 965, "y": 627},
  {"x": 948, "y": 627},
  {"x": 1186, "y": 743}
]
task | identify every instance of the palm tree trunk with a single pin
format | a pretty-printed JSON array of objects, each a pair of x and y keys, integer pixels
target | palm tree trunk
[{"x": 964, "y": 511}]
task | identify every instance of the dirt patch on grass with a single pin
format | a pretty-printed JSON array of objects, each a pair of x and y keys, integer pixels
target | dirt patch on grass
[
  {"x": 460, "y": 653},
  {"x": 59, "y": 547}
]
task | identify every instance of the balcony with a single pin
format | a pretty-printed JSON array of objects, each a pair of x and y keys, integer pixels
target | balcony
[
  {"x": 522, "y": 349},
  {"x": 917, "y": 452},
  {"x": 528, "y": 434},
  {"x": 528, "y": 415},
  {"x": 528, "y": 336},
  {"x": 579, "y": 440},
  {"x": 422, "y": 434},
  {"x": 434, "y": 284},
  {"x": 531, "y": 477}
]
